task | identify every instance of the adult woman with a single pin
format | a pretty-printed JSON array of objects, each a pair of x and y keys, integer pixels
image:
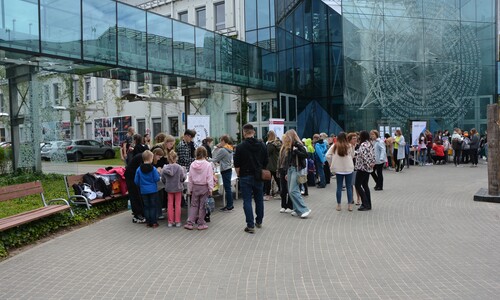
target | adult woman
[
  {"x": 223, "y": 154},
  {"x": 456, "y": 144},
  {"x": 352, "y": 138},
  {"x": 273, "y": 146},
  {"x": 474, "y": 145},
  {"x": 365, "y": 160},
  {"x": 340, "y": 155},
  {"x": 399, "y": 150},
  {"x": 207, "y": 143},
  {"x": 292, "y": 157},
  {"x": 380, "y": 159}
]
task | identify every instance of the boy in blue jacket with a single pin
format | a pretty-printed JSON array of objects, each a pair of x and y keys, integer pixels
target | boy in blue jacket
[{"x": 146, "y": 178}]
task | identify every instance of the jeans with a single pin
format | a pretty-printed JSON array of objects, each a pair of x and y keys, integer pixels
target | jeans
[
  {"x": 299, "y": 206},
  {"x": 421, "y": 156},
  {"x": 361, "y": 184},
  {"x": 150, "y": 204},
  {"x": 249, "y": 186},
  {"x": 321, "y": 173},
  {"x": 456, "y": 156},
  {"x": 348, "y": 186},
  {"x": 226, "y": 181}
]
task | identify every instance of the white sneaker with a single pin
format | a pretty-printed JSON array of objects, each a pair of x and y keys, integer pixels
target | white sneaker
[
  {"x": 288, "y": 210},
  {"x": 282, "y": 210},
  {"x": 304, "y": 215},
  {"x": 294, "y": 214}
]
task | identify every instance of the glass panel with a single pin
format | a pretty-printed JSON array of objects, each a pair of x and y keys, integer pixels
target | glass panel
[
  {"x": 252, "y": 112},
  {"x": 403, "y": 8},
  {"x": 299, "y": 21},
  {"x": 224, "y": 58},
  {"x": 442, "y": 9},
  {"x": 184, "y": 51},
  {"x": 264, "y": 38},
  {"x": 255, "y": 66},
  {"x": 308, "y": 20},
  {"x": 201, "y": 17},
  {"x": 265, "y": 111},
  {"x": 61, "y": 34},
  {"x": 483, "y": 107},
  {"x": 292, "y": 109},
  {"x": 438, "y": 36},
  {"x": 373, "y": 7},
  {"x": 220, "y": 16},
  {"x": 335, "y": 27},
  {"x": 131, "y": 37},
  {"x": 320, "y": 69},
  {"x": 276, "y": 112},
  {"x": 99, "y": 31},
  {"x": 240, "y": 56},
  {"x": 250, "y": 15},
  {"x": 19, "y": 25},
  {"x": 251, "y": 37},
  {"x": 283, "y": 108},
  {"x": 263, "y": 13},
  {"x": 485, "y": 10},
  {"x": 468, "y": 10},
  {"x": 271, "y": 12},
  {"x": 205, "y": 54},
  {"x": 366, "y": 36},
  {"x": 268, "y": 69},
  {"x": 486, "y": 39},
  {"x": 160, "y": 52}
]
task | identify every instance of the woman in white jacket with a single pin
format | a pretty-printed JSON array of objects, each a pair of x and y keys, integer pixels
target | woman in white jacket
[
  {"x": 341, "y": 164},
  {"x": 380, "y": 159}
]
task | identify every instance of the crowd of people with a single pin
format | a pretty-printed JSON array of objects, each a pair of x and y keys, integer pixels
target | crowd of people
[{"x": 156, "y": 174}]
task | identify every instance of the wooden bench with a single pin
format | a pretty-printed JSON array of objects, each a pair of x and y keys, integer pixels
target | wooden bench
[
  {"x": 69, "y": 180},
  {"x": 26, "y": 189}
]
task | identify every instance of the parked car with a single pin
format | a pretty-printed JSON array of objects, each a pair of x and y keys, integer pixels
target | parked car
[
  {"x": 78, "y": 149},
  {"x": 53, "y": 150}
]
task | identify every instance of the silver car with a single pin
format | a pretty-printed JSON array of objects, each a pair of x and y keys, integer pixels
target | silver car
[
  {"x": 78, "y": 149},
  {"x": 53, "y": 151}
]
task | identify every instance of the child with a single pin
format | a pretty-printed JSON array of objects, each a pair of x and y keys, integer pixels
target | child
[
  {"x": 173, "y": 176},
  {"x": 146, "y": 178},
  {"x": 201, "y": 184}
]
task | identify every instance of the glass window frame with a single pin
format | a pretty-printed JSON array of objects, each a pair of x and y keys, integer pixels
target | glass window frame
[
  {"x": 219, "y": 23},
  {"x": 181, "y": 14},
  {"x": 198, "y": 11}
]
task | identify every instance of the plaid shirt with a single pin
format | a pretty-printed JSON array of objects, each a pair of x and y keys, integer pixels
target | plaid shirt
[{"x": 184, "y": 153}]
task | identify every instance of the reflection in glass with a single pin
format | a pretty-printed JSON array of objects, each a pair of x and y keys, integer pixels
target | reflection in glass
[
  {"x": 131, "y": 34},
  {"x": 224, "y": 58},
  {"x": 99, "y": 31},
  {"x": 265, "y": 108},
  {"x": 250, "y": 15},
  {"x": 184, "y": 51},
  {"x": 159, "y": 41},
  {"x": 205, "y": 55},
  {"x": 19, "y": 25},
  {"x": 252, "y": 112},
  {"x": 61, "y": 27},
  {"x": 240, "y": 63},
  {"x": 263, "y": 13}
]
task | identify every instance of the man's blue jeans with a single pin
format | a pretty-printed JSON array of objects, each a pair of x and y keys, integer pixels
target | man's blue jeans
[
  {"x": 226, "y": 181},
  {"x": 321, "y": 173},
  {"x": 348, "y": 187},
  {"x": 249, "y": 186}
]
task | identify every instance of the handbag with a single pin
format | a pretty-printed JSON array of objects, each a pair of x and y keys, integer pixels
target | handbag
[
  {"x": 266, "y": 174},
  {"x": 302, "y": 174}
]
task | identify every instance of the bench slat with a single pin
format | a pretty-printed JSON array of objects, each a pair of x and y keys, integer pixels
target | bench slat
[
  {"x": 26, "y": 217},
  {"x": 20, "y": 190}
]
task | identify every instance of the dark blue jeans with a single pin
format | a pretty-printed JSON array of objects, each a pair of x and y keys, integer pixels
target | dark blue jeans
[
  {"x": 321, "y": 173},
  {"x": 249, "y": 186},
  {"x": 348, "y": 187},
  {"x": 150, "y": 207},
  {"x": 226, "y": 181}
]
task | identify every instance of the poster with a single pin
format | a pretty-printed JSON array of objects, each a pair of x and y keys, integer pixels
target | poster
[
  {"x": 278, "y": 126},
  {"x": 103, "y": 131},
  {"x": 417, "y": 127},
  {"x": 120, "y": 127},
  {"x": 200, "y": 124}
]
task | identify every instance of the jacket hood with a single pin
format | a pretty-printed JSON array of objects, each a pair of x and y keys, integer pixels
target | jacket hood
[
  {"x": 255, "y": 145},
  {"x": 309, "y": 146},
  {"x": 228, "y": 147},
  {"x": 198, "y": 164},
  {"x": 277, "y": 143},
  {"x": 146, "y": 168}
]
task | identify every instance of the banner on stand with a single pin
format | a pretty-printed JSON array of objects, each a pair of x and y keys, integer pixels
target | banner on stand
[
  {"x": 200, "y": 124},
  {"x": 417, "y": 127},
  {"x": 278, "y": 126}
]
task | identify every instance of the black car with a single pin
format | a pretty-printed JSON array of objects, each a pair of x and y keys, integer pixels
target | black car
[{"x": 78, "y": 149}]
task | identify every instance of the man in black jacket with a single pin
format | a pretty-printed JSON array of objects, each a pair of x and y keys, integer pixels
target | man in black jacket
[{"x": 250, "y": 158}]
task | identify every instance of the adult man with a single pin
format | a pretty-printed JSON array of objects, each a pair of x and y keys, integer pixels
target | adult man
[
  {"x": 185, "y": 149},
  {"x": 250, "y": 158},
  {"x": 319, "y": 159}
]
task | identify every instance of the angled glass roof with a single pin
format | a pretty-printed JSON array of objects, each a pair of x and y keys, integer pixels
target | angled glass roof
[{"x": 88, "y": 36}]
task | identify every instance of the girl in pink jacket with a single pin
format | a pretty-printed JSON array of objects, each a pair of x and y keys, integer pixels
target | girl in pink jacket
[{"x": 201, "y": 184}]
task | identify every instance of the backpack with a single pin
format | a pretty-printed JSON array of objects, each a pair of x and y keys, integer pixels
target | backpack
[
  {"x": 101, "y": 186},
  {"x": 90, "y": 180},
  {"x": 78, "y": 189}
]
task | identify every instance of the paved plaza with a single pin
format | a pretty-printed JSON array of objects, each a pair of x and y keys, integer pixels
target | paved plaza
[{"x": 424, "y": 239}]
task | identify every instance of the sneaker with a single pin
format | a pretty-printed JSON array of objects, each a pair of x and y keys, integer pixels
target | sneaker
[
  {"x": 249, "y": 229},
  {"x": 258, "y": 225},
  {"x": 267, "y": 198},
  {"x": 288, "y": 210},
  {"x": 226, "y": 209},
  {"x": 202, "y": 227},
  {"x": 138, "y": 220},
  {"x": 162, "y": 217},
  {"x": 304, "y": 215},
  {"x": 294, "y": 214},
  {"x": 155, "y": 225},
  {"x": 188, "y": 226},
  {"x": 178, "y": 224},
  {"x": 170, "y": 225},
  {"x": 338, "y": 207},
  {"x": 283, "y": 210}
]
